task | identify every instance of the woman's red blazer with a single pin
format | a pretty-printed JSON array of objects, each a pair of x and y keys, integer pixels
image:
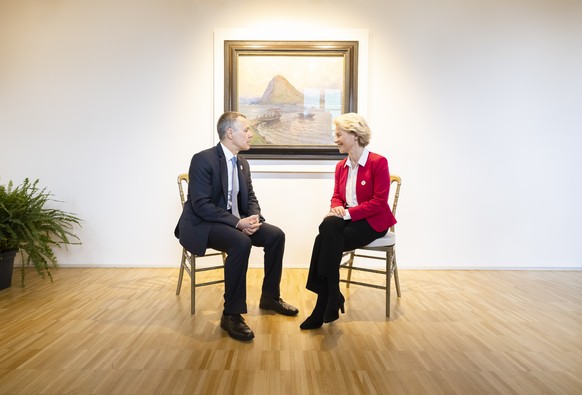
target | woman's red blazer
[{"x": 372, "y": 188}]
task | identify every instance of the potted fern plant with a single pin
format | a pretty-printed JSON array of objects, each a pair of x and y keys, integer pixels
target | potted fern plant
[{"x": 28, "y": 226}]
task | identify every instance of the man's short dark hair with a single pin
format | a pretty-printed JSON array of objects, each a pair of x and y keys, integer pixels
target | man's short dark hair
[{"x": 227, "y": 120}]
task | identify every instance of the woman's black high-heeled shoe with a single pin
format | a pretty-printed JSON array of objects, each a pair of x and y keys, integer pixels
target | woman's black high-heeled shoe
[
  {"x": 333, "y": 313},
  {"x": 312, "y": 322},
  {"x": 315, "y": 320}
]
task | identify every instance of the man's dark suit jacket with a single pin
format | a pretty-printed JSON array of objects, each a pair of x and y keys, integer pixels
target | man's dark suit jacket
[{"x": 208, "y": 196}]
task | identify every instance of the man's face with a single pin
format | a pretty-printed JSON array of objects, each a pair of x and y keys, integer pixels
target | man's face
[{"x": 241, "y": 134}]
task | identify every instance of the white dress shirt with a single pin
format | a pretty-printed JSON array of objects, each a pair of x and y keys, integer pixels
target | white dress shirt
[
  {"x": 228, "y": 156},
  {"x": 351, "y": 196}
]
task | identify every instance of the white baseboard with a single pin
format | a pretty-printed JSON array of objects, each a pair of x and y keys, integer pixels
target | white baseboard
[{"x": 302, "y": 266}]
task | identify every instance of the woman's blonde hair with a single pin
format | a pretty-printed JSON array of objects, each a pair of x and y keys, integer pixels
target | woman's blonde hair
[{"x": 356, "y": 124}]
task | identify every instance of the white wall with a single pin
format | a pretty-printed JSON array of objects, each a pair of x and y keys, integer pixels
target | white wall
[{"x": 476, "y": 104}]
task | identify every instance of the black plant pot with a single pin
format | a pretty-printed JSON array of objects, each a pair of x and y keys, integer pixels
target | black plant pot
[{"x": 6, "y": 266}]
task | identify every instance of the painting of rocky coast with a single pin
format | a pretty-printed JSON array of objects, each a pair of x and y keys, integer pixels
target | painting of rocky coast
[{"x": 285, "y": 115}]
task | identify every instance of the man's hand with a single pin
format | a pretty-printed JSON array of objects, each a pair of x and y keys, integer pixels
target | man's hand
[{"x": 249, "y": 225}]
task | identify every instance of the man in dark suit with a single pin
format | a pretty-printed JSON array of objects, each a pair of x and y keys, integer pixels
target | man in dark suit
[{"x": 212, "y": 219}]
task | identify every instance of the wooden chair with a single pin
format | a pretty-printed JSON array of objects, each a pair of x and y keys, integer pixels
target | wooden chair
[
  {"x": 384, "y": 244},
  {"x": 188, "y": 262}
]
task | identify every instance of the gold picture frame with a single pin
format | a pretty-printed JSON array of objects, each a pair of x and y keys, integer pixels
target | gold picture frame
[{"x": 290, "y": 91}]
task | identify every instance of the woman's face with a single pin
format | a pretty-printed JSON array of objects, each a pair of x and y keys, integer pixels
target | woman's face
[{"x": 345, "y": 140}]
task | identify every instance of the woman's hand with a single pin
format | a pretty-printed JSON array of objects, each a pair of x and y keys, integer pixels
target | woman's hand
[{"x": 337, "y": 211}]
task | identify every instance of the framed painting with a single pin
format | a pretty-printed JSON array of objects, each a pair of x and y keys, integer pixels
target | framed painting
[{"x": 290, "y": 91}]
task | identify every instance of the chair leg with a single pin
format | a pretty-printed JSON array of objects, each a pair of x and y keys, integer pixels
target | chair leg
[
  {"x": 389, "y": 257},
  {"x": 350, "y": 263},
  {"x": 192, "y": 283},
  {"x": 396, "y": 279},
  {"x": 181, "y": 275}
]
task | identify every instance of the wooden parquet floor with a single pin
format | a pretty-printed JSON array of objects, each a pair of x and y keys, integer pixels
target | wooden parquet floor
[{"x": 124, "y": 331}]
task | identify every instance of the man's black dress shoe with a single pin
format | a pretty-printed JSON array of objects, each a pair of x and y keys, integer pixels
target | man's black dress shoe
[
  {"x": 236, "y": 327},
  {"x": 278, "y": 305}
]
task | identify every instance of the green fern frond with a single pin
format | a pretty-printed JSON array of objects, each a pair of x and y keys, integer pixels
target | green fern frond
[{"x": 27, "y": 225}]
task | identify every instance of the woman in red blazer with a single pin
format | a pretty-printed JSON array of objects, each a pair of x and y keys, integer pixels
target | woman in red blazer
[{"x": 358, "y": 215}]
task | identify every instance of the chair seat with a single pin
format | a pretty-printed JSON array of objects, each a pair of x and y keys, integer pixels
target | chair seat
[{"x": 389, "y": 239}]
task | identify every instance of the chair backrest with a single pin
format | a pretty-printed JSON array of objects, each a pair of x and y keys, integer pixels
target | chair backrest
[
  {"x": 183, "y": 181},
  {"x": 395, "y": 182}
]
